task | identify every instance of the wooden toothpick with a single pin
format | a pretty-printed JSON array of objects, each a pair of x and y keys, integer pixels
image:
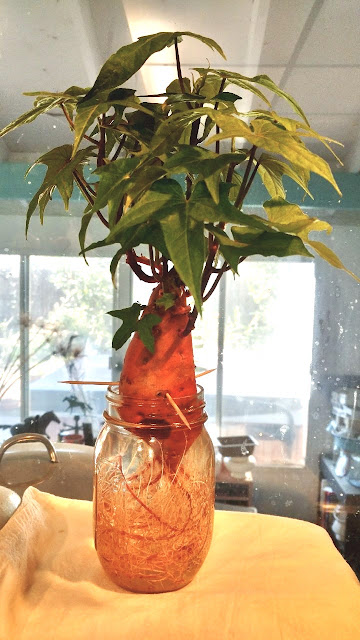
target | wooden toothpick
[
  {"x": 87, "y": 382},
  {"x": 204, "y": 373},
  {"x": 178, "y": 410}
]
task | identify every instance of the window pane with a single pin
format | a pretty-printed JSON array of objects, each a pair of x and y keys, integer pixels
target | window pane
[
  {"x": 70, "y": 335},
  {"x": 9, "y": 341},
  {"x": 267, "y": 356}
]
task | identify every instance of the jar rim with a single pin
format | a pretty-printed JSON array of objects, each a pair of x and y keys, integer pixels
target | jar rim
[
  {"x": 113, "y": 390},
  {"x": 191, "y": 416}
]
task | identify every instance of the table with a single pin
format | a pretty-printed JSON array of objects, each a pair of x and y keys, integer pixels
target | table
[{"x": 265, "y": 578}]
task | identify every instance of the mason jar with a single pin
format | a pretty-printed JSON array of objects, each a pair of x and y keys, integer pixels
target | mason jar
[{"x": 153, "y": 491}]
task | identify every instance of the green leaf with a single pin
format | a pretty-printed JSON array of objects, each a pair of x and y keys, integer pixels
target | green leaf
[
  {"x": 161, "y": 197},
  {"x": 166, "y": 301},
  {"x": 129, "y": 317},
  {"x": 169, "y": 132},
  {"x": 263, "y": 80},
  {"x": 330, "y": 257},
  {"x": 84, "y": 118},
  {"x": 226, "y": 96},
  {"x": 266, "y": 135},
  {"x": 305, "y": 131},
  {"x": 184, "y": 239},
  {"x": 122, "y": 177},
  {"x": 174, "y": 86},
  {"x": 144, "y": 327},
  {"x": 288, "y": 217},
  {"x": 184, "y": 236},
  {"x": 113, "y": 179},
  {"x": 85, "y": 221},
  {"x": 29, "y": 116},
  {"x": 208, "y": 84},
  {"x": 114, "y": 265},
  {"x": 202, "y": 208},
  {"x": 248, "y": 242},
  {"x": 145, "y": 233},
  {"x": 272, "y": 243},
  {"x": 130, "y": 323},
  {"x": 204, "y": 163},
  {"x": 87, "y": 113},
  {"x": 59, "y": 175},
  {"x": 240, "y": 81},
  {"x": 272, "y": 170},
  {"x": 128, "y": 60}
]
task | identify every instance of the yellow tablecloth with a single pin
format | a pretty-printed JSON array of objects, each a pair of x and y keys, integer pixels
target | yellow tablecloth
[{"x": 265, "y": 578}]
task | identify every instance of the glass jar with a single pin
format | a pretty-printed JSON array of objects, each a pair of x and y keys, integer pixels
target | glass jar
[{"x": 153, "y": 492}]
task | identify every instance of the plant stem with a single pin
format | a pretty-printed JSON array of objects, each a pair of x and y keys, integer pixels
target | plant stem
[
  {"x": 188, "y": 187},
  {"x": 72, "y": 126},
  {"x": 251, "y": 179},
  {"x": 213, "y": 246},
  {"x": 164, "y": 266},
  {"x": 83, "y": 188},
  {"x": 241, "y": 194},
  {"x": 101, "y": 153},
  {"x": 178, "y": 68},
  {"x": 191, "y": 322},
  {"x": 131, "y": 259},
  {"x": 225, "y": 267},
  {"x": 118, "y": 150},
  {"x": 152, "y": 264},
  {"x": 217, "y": 129}
]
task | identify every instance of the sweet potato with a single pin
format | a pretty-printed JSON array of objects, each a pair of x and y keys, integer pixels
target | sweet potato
[{"x": 148, "y": 377}]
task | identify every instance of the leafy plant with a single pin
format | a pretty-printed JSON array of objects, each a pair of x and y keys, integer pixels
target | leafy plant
[{"x": 173, "y": 176}]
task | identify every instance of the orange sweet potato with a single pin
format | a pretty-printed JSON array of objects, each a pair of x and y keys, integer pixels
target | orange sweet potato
[{"x": 170, "y": 369}]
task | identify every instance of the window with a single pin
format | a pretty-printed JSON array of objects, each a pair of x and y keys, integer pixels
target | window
[
  {"x": 9, "y": 338},
  {"x": 55, "y": 328},
  {"x": 257, "y": 333}
]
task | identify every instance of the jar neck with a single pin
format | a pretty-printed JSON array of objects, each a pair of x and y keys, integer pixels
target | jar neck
[{"x": 182, "y": 413}]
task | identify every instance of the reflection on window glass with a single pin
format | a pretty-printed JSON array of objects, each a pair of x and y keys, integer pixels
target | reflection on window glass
[
  {"x": 9, "y": 340},
  {"x": 265, "y": 387},
  {"x": 267, "y": 357},
  {"x": 69, "y": 300}
]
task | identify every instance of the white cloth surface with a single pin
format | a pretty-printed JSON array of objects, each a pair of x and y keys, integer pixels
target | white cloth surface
[{"x": 265, "y": 578}]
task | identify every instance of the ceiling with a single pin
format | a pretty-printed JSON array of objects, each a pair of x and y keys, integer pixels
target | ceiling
[{"x": 309, "y": 47}]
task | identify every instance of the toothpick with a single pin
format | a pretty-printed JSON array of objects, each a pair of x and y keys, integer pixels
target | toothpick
[
  {"x": 86, "y": 382},
  {"x": 204, "y": 373},
  {"x": 178, "y": 410}
]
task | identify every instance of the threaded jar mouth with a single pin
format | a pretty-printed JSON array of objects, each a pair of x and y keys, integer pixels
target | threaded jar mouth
[{"x": 155, "y": 413}]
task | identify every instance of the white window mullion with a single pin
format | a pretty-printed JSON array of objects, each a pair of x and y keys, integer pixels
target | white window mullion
[{"x": 220, "y": 355}]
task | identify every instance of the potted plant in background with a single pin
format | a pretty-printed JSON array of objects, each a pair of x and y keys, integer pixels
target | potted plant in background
[{"x": 157, "y": 184}]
